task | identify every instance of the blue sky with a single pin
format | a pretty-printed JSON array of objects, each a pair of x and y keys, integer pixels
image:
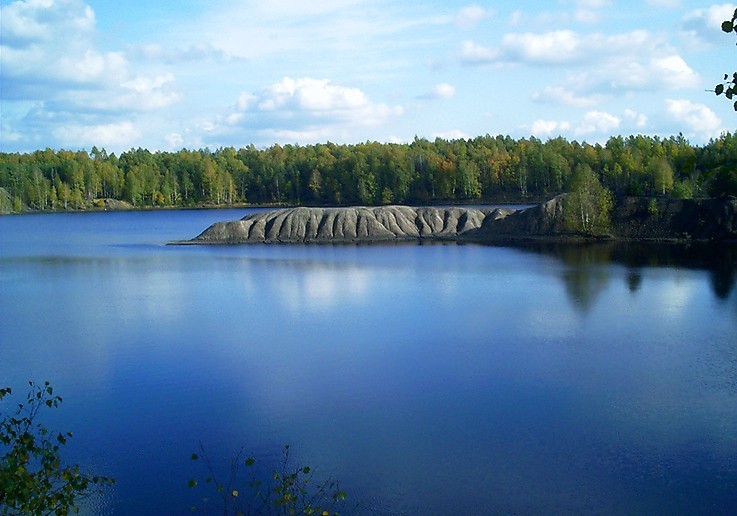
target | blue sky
[{"x": 193, "y": 73}]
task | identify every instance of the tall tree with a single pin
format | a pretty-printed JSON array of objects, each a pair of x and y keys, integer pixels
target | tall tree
[{"x": 588, "y": 206}]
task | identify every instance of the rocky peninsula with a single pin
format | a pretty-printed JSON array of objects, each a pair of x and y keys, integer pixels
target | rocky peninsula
[{"x": 631, "y": 219}]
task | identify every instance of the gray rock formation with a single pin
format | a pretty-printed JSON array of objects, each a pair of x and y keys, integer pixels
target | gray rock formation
[
  {"x": 632, "y": 219},
  {"x": 541, "y": 220},
  {"x": 384, "y": 223}
]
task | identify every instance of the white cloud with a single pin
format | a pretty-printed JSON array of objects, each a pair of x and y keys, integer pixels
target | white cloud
[
  {"x": 544, "y": 128},
  {"x": 700, "y": 121},
  {"x": 57, "y": 83},
  {"x": 311, "y": 95},
  {"x": 551, "y": 47},
  {"x": 35, "y": 20},
  {"x": 471, "y": 53},
  {"x": 598, "y": 122},
  {"x": 470, "y": 16},
  {"x": 441, "y": 91},
  {"x": 304, "y": 110},
  {"x": 147, "y": 94},
  {"x": 175, "y": 141},
  {"x": 119, "y": 136},
  {"x": 704, "y": 24},
  {"x": 453, "y": 134},
  {"x": 669, "y": 72},
  {"x": 560, "y": 47},
  {"x": 638, "y": 119},
  {"x": 47, "y": 45},
  {"x": 561, "y": 95}
]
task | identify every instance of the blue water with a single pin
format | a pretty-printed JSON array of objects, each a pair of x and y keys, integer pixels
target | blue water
[{"x": 428, "y": 379}]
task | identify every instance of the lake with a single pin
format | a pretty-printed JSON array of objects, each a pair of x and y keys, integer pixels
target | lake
[{"x": 427, "y": 379}]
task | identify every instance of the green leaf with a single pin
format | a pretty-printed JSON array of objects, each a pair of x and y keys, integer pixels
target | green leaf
[
  {"x": 719, "y": 89},
  {"x": 727, "y": 26},
  {"x": 192, "y": 483},
  {"x": 195, "y": 456},
  {"x": 250, "y": 461}
]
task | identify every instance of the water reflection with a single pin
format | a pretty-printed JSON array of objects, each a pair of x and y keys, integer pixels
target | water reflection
[{"x": 587, "y": 273}]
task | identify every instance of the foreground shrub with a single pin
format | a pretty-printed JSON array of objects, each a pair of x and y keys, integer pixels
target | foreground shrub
[{"x": 33, "y": 479}]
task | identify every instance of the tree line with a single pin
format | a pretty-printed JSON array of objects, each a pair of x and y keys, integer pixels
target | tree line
[{"x": 423, "y": 171}]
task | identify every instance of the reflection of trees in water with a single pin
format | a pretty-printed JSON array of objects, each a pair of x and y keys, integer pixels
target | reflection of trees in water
[
  {"x": 634, "y": 280},
  {"x": 719, "y": 260},
  {"x": 583, "y": 285},
  {"x": 587, "y": 275},
  {"x": 723, "y": 279}
]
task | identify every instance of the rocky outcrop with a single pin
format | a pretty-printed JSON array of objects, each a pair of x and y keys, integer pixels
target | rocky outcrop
[
  {"x": 675, "y": 219},
  {"x": 632, "y": 219},
  {"x": 545, "y": 219},
  {"x": 356, "y": 224}
]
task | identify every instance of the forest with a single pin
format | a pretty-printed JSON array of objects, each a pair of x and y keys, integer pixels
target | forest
[{"x": 482, "y": 169}]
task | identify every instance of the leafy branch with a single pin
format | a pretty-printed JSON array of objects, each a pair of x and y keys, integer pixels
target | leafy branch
[
  {"x": 33, "y": 479},
  {"x": 729, "y": 87},
  {"x": 291, "y": 489}
]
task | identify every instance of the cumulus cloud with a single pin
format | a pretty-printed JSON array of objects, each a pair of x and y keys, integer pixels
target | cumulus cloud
[
  {"x": 48, "y": 45},
  {"x": 320, "y": 99},
  {"x": 638, "y": 119},
  {"x": 149, "y": 93},
  {"x": 474, "y": 54},
  {"x": 559, "y": 47},
  {"x": 669, "y": 72},
  {"x": 704, "y": 25},
  {"x": 116, "y": 135},
  {"x": 545, "y": 128},
  {"x": 622, "y": 75},
  {"x": 700, "y": 121},
  {"x": 440, "y": 91},
  {"x": 453, "y": 134},
  {"x": 53, "y": 72},
  {"x": 598, "y": 122},
  {"x": 470, "y": 16},
  {"x": 304, "y": 110},
  {"x": 174, "y": 141},
  {"x": 564, "y": 96}
]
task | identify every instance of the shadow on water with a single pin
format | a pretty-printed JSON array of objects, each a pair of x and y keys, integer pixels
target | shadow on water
[{"x": 586, "y": 274}]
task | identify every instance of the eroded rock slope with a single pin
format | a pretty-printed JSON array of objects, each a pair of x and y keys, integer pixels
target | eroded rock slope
[{"x": 364, "y": 224}]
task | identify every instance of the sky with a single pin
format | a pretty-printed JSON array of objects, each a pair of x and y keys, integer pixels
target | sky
[{"x": 167, "y": 75}]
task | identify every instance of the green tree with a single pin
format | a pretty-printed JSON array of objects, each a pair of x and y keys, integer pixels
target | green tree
[
  {"x": 588, "y": 206},
  {"x": 662, "y": 174},
  {"x": 33, "y": 479}
]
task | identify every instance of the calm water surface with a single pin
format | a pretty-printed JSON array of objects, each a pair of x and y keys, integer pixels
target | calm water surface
[{"x": 429, "y": 379}]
